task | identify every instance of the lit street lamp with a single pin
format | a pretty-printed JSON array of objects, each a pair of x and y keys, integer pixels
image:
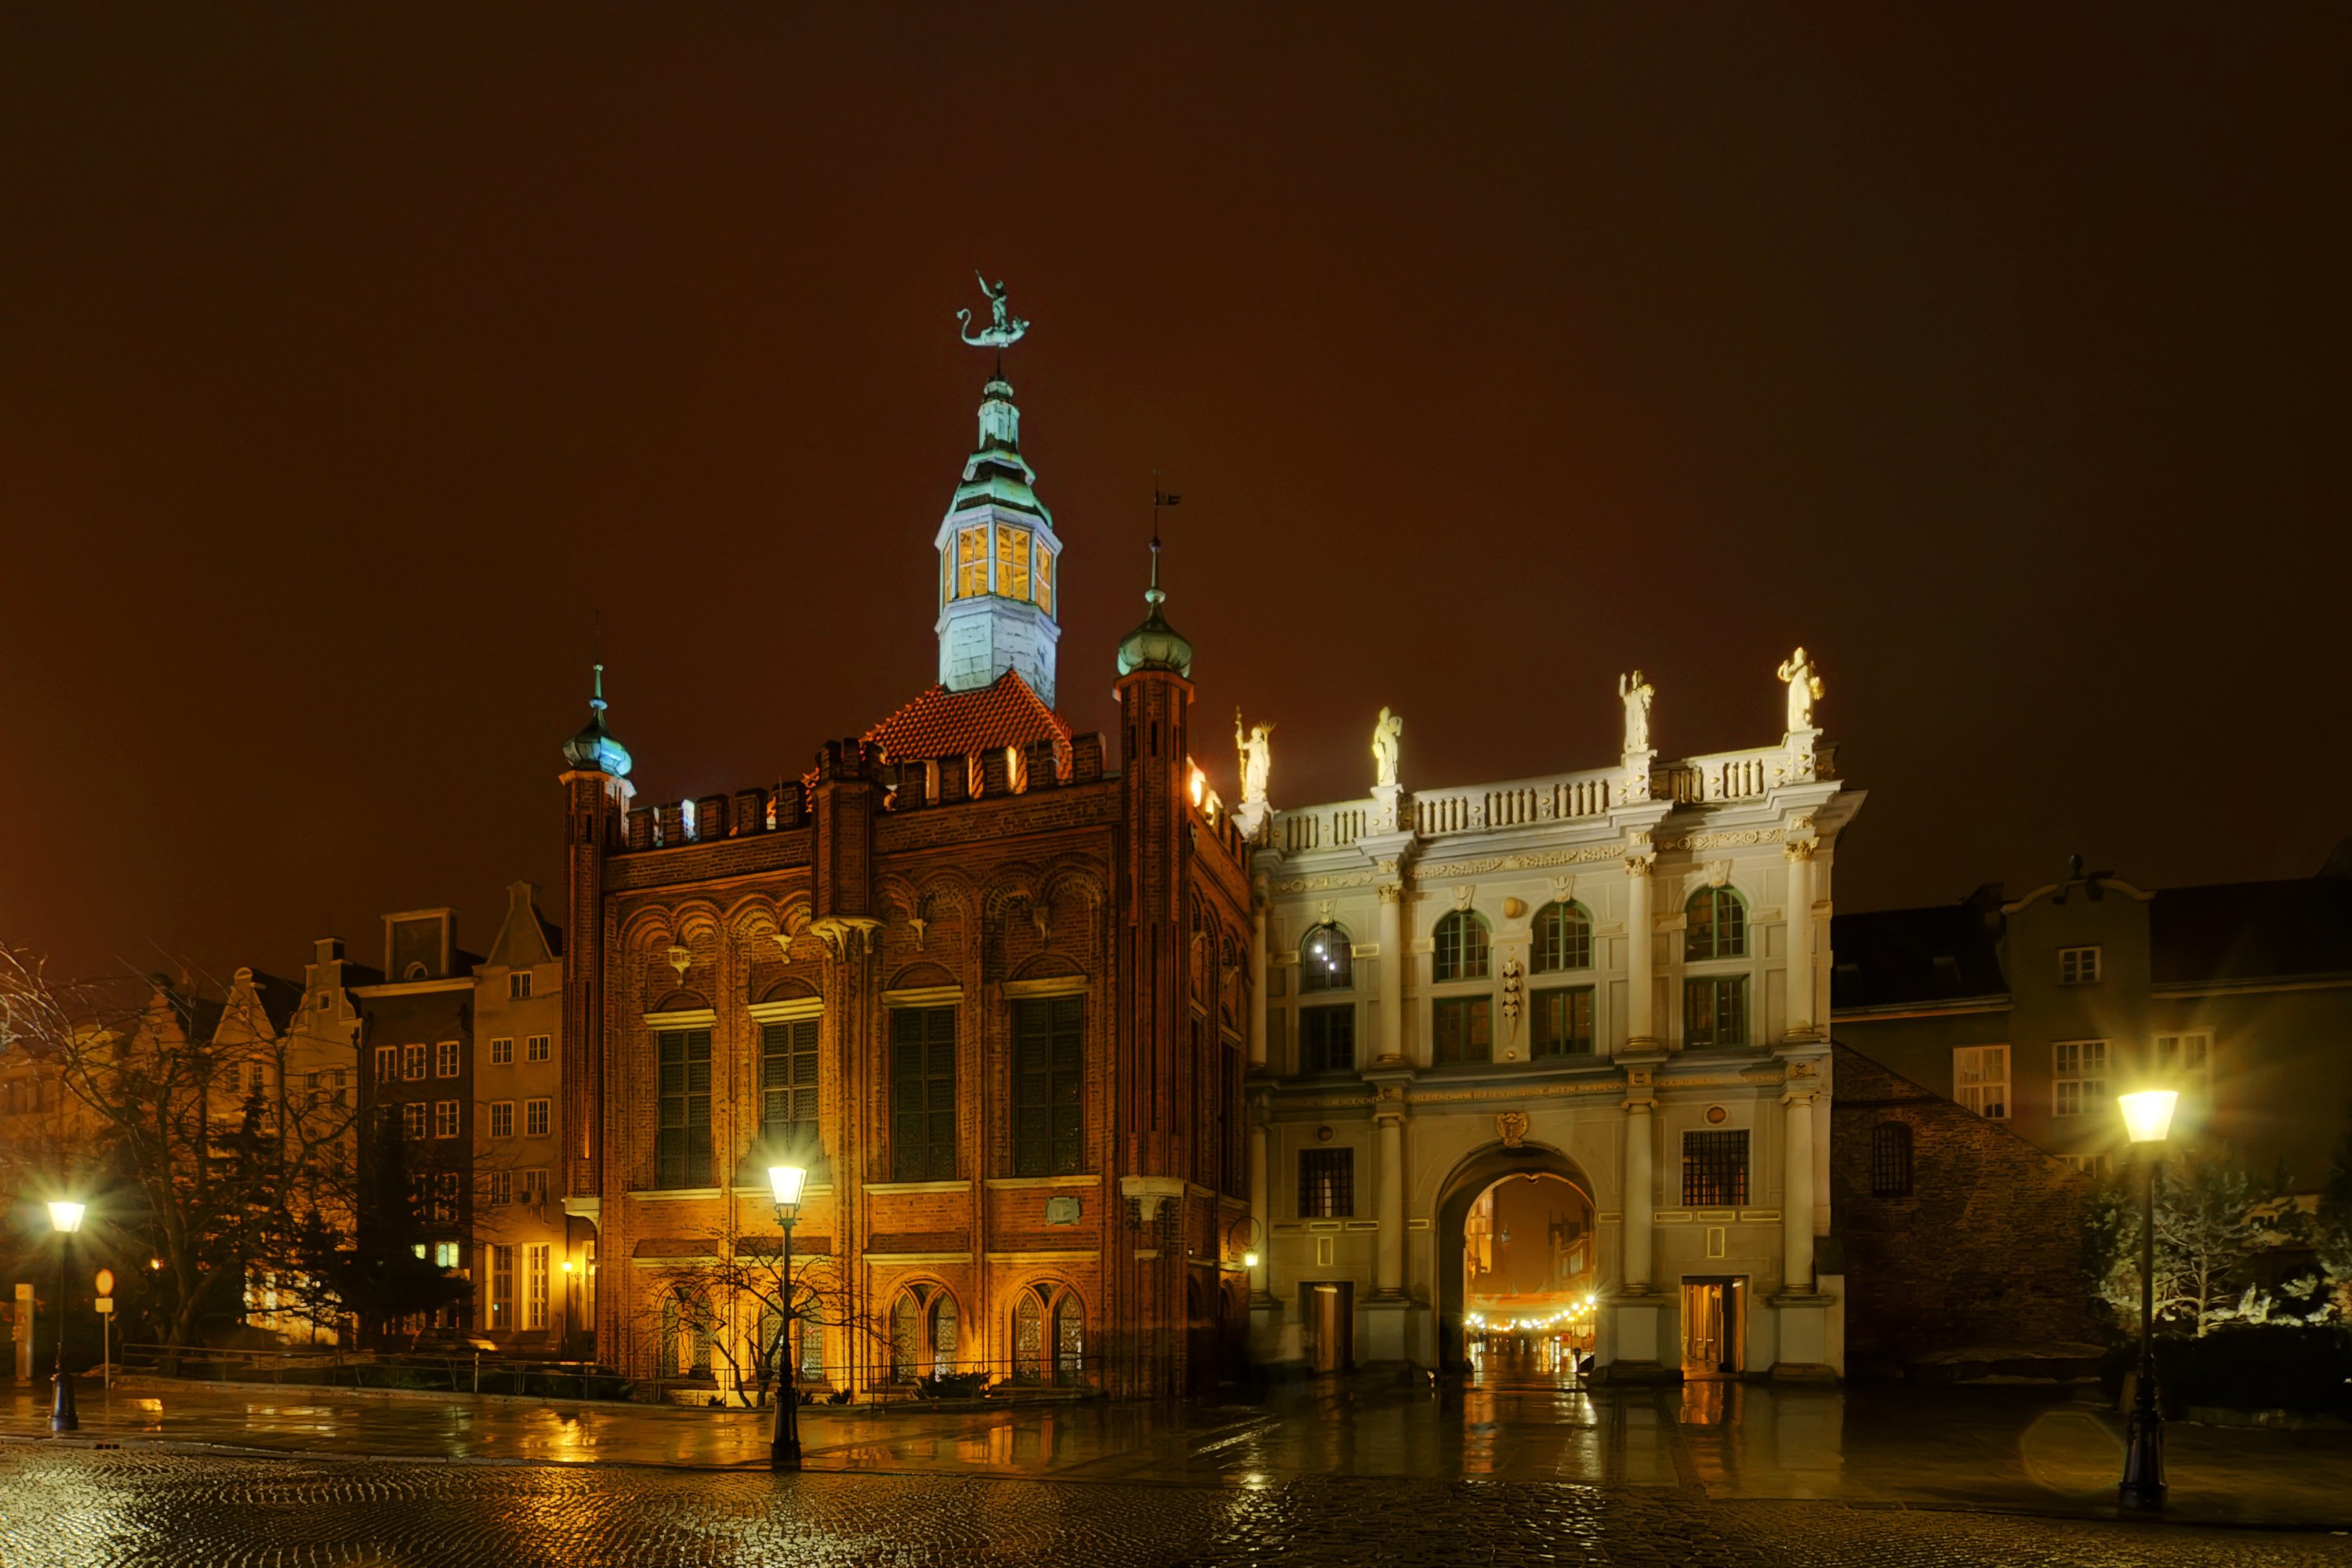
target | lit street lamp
[
  {"x": 65, "y": 1218},
  {"x": 784, "y": 1451},
  {"x": 2147, "y": 1119}
]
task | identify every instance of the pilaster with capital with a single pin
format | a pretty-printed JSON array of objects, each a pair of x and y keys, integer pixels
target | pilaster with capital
[
  {"x": 1388, "y": 1117},
  {"x": 1802, "y": 1088},
  {"x": 1640, "y": 1175},
  {"x": 1640, "y": 946},
  {"x": 1805, "y": 1021},
  {"x": 1257, "y": 976}
]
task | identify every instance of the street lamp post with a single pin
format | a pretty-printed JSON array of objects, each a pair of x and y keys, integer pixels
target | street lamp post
[
  {"x": 65, "y": 1218},
  {"x": 785, "y": 1450},
  {"x": 2147, "y": 1119}
]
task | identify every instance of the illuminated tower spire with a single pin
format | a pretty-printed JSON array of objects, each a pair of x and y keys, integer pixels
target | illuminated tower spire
[{"x": 1000, "y": 559}]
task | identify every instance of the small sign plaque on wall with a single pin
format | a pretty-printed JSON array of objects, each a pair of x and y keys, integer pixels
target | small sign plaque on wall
[{"x": 1062, "y": 1211}]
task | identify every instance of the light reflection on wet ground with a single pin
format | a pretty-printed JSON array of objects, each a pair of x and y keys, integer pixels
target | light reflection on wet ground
[{"x": 1731, "y": 1440}]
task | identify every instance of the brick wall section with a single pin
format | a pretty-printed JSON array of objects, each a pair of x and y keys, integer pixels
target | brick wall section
[
  {"x": 1987, "y": 1251},
  {"x": 982, "y": 896}
]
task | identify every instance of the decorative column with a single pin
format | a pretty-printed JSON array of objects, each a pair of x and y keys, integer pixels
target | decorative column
[
  {"x": 1262, "y": 1228},
  {"x": 1392, "y": 968},
  {"x": 1804, "y": 1023},
  {"x": 1388, "y": 1276},
  {"x": 1641, "y": 948},
  {"x": 1640, "y": 1225},
  {"x": 1258, "y": 979},
  {"x": 1797, "y": 1180}
]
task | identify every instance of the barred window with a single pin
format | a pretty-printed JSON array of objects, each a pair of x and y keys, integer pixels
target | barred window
[
  {"x": 1327, "y": 961},
  {"x": 922, "y": 1094},
  {"x": 1715, "y": 925},
  {"x": 682, "y": 1147},
  {"x": 1327, "y": 1040},
  {"x": 788, "y": 1085},
  {"x": 1563, "y": 938},
  {"x": 1714, "y": 1011},
  {"x": 1714, "y": 1170},
  {"x": 1049, "y": 1129},
  {"x": 1326, "y": 1184},
  {"x": 1460, "y": 946},
  {"x": 1563, "y": 1021},
  {"x": 1463, "y": 1030},
  {"x": 1890, "y": 1160}
]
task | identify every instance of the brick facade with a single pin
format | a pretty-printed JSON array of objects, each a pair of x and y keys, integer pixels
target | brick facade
[
  {"x": 1985, "y": 1252},
  {"x": 1117, "y": 890}
]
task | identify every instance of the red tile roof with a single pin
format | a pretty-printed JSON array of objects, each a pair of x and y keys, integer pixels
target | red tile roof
[{"x": 943, "y": 723}]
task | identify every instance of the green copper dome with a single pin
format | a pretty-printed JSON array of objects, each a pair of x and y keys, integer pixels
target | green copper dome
[
  {"x": 594, "y": 750},
  {"x": 1155, "y": 645}
]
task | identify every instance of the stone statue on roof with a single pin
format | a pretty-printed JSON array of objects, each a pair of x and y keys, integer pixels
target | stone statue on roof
[
  {"x": 1637, "y": 693},
  {"x": 1386, "y": 735},
  {"x": 1804, "y": 690},
  {"x": 1257, "y": 751},
  {"x": 1004, "y": 330}
]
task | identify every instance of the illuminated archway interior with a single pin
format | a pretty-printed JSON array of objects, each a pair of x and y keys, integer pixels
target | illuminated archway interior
[{"x": 1531, "y": 1276}]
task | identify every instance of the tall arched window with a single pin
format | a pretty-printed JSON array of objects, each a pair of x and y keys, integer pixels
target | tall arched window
[
  {"x": 1890, "y": 1160},
  {"x": 1716, "y": 925},
  {"x": 1461, "y": 946},
  {"x": 1327, "y": 960},
  {"x": 906, "y": 1338},
  {"x": 686, "y": 1337},
  {"x": 1563, "y": 938},
  {"x": 943, "y": 1335},
  {"x": 1049, "y": 1336}
]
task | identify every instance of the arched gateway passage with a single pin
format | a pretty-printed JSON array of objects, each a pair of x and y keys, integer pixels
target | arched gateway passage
[{"x": 1518, "y": 1263}]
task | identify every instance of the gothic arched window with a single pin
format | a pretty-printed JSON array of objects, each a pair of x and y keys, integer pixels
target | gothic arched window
[
  {"x": 1563, "y": 938},
  {"x": 1327, "y": 960},
  {"x": 1716, "y": 925},
  {"x": 1049, "y": 1336},
  {"x": 1460, "y": 946}
]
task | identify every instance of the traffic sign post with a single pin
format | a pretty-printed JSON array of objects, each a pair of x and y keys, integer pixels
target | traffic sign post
[{"x": 105, "y": 1305}]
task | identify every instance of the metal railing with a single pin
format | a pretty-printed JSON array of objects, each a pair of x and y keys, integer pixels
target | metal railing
[{"x": 482, "y": 1371}]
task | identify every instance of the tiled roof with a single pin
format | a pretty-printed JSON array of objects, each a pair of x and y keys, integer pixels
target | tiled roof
[
  {"x": 2244, "y": 930},
  {"x": 1888, "y": 957},
  {"x": 943, "y": 723}
]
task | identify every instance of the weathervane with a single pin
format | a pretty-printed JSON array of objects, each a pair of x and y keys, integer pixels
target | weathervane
[{"x": 1002, "y": 331}]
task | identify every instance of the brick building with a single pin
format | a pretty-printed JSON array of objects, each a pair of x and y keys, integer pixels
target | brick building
[
  {"x": 1956, "y": 1234},
  {"x": 988, "y": 978}
]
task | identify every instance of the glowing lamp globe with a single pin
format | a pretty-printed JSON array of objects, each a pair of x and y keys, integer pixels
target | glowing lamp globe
[
  {"x": 2147, "y": 1115},
  {"x": 1249, "y": 1258},
  {"x": 65, "y": 1218},
  {"x": 787, "y": 1181}
]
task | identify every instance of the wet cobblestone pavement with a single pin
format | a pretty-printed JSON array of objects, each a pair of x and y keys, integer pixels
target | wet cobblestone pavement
[{"x": 70, "y": 1507}]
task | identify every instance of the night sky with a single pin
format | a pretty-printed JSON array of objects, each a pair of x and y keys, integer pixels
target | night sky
[{"x": 349, "y": 357}]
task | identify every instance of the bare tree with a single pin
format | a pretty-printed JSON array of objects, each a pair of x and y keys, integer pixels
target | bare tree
[
  {"x": 735, "y": 1294},
  {"x": 196, "y": 1103},
  {"x": 2214, "y": 1222}
]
